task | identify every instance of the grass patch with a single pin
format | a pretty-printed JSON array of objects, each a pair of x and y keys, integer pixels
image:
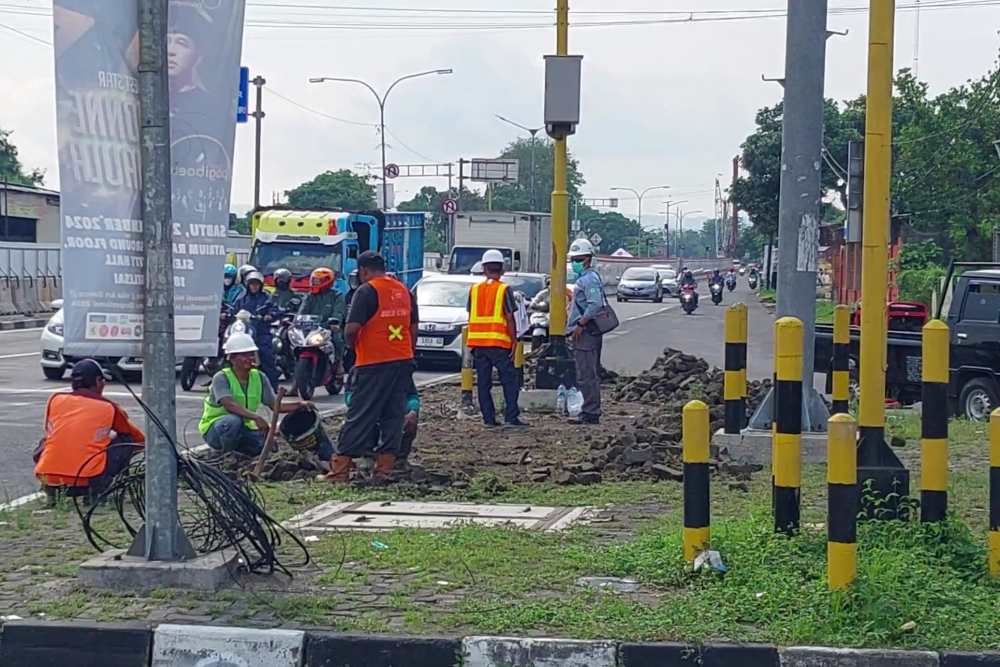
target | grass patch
[
  {"x": 824, "y": 311},
  {"x": 767, "y": 295}
]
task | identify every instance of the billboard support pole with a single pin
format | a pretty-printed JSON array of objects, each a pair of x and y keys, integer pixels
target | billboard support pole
[{"x": 162, "y": 535}]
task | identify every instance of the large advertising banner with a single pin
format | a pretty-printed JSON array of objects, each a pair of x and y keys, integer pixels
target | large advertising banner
[{"x": 97, "y": 109}]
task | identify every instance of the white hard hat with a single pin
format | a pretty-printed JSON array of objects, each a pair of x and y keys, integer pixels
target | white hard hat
[
  {"x": 580, "y": 248},
  {"x": 477, "y": 269},
  {"x": 492, "y": 257},
  {"x": 240, "y": 342}
]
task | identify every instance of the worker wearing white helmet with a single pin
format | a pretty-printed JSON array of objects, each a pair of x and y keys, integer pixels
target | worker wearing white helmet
[
  {"x": 229, "y": 419},
  {"x": 493, "y": 339},
  {"x": 588, "y": 300}
]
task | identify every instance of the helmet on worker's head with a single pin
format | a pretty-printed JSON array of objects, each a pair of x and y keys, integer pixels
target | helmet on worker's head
[
  {"x": 477, "y": 269},
  {"x": 321, "y": 279},
  {"x": 239, "y": 343},
  {"x": 282, "y": 278},
  {"x": 492, "y": 257},
  {"x": 253, "y": 276},
  {"x": 581, "y": 248},
  {"x": 243, "y": 271}
]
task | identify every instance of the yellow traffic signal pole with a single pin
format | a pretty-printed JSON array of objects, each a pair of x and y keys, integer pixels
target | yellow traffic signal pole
[{"x": 876, "y": 461}]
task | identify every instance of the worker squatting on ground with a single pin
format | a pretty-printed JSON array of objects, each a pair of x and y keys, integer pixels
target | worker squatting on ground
[
  {"x": 492, "y": 339},
  {"x": 588, "y": 300},
  {"x": 382, "y": 331},
  {"x": 88, "y": 439},
  {"x": 229, "y": 419}
]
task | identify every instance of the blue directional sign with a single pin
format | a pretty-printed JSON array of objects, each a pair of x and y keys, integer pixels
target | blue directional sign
[{"x": 243, "y": 105}]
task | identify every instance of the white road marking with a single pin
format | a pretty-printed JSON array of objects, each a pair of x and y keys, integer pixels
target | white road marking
[
  {"x": 23, "y": 500},
  {"x": 19, "y": 356},
  {"x": 650, "y": 314},
  {"x": 16, "y": 331}
]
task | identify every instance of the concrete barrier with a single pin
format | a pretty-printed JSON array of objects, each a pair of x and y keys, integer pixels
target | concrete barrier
[
  {"x": 54, "y": 644},
  {"x": 7, "y": 306},
  {"x": 333, "y": 650},
  {"x": 208, "y": 646},
  {"x": 531, "y": 652},
  {"x": 808, "y": 656}
]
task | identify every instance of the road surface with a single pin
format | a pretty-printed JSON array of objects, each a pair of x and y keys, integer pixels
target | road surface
[{"x": 645, "y": 330}]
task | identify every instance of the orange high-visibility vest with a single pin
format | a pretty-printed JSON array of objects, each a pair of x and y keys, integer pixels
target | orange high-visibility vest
[
  {"x": 77, "y": 435},
  {"x": 386, "y": 336},
  {"x": 487, "y": 321}
]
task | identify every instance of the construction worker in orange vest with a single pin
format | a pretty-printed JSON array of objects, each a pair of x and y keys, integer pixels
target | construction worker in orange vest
[
  {"x": 382, "y": 331},
  {"x": 88, "y": 439},
  {"x": 493, "y": 338}
]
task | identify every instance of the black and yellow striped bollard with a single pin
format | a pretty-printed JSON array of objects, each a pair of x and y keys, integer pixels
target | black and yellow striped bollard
[
  {"x": 993, "y": 552},
  {"x": 786, "y": 449},
  {"x": 735, "y": 388},
  {"x": 934, "y": 423},
  {"x": 841, "y": 366},
  {"x": 519, "y": 362},
  {"x": 697, "y": 530},
  {"x": 842, "y": 501},
  {"x": 468, "y": 376}
]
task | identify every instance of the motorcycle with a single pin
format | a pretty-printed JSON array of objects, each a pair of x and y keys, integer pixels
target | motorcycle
[
  {"x": 716, "y": 290},
  {"x": 752, "y": 281},
  {"x": 731, "y": 282},
  {"x": 315, "y": 366},
  {"x": 539, "y": 323},
  {"x": 191, "y": 367},
  {"x": 689, "y": 299},
  {"x": 284, "y": 353}
]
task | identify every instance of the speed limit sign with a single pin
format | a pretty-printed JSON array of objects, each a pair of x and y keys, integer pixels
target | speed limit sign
[{"x": 450, "y": 206}]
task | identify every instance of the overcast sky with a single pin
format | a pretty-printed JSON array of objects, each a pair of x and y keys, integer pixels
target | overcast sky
[{"x": 662, "y": 103}]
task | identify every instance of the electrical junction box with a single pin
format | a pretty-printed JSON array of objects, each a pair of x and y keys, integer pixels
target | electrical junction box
[{"x": 562, "y": 95}]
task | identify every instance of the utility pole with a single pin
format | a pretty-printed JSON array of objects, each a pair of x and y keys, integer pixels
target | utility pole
[
  {"x": 735, "y": 232},
  {"x": 560, "y": 205},
  {"x": 876, "y": 462},
  {"x": 800, "y": 200},
  {"x": 258, "y": 116},
  {"x": 162, "y": 534}
]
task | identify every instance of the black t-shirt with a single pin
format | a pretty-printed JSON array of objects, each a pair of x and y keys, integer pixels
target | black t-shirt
[{"x": 364, "y": 305}]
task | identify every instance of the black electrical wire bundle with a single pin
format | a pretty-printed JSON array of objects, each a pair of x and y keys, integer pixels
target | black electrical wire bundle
[{"x": 215, "y": 511}]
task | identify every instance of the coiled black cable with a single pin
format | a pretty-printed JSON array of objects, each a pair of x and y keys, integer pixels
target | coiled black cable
[{"x": 216, "y": 511}]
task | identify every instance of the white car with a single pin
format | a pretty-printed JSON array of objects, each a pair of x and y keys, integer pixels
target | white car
[
  {"x": 55, "y": 363},
  {"x": 442, "y": 300},
  {"x": 668, "y": 280}
]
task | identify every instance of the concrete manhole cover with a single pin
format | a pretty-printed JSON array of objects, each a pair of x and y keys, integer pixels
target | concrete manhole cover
[{"x": 388, "y": 515}]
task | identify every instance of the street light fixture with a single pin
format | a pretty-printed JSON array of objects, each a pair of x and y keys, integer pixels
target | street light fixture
[
  {"x": 533, "y": 131},
  {"x": 381, "y": 107},
  {"x": 680, "y": 225},
  {"x": 640, "y": 195}
]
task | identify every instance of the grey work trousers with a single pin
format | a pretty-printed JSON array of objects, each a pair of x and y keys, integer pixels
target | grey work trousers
[
  {"x": 377, "y": 409},
  {"x": 587, "y": 354}
]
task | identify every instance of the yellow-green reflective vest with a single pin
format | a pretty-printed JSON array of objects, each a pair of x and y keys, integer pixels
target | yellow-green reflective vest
[{"x": 249, "y": 399}]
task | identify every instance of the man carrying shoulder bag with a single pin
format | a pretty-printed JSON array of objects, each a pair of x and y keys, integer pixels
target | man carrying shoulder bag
[{"x": 590, "y": 318}]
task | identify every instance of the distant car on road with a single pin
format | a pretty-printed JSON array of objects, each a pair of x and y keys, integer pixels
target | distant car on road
[
  {"x": 442, "y": 300},
  {"x": 640, "y": 284},
  {"x": 668, "y": 280}
]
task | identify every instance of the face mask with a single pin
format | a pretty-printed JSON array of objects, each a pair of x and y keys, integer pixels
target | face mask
[
  {"x": 578, "y": 267},
  {"x": 228, "y": 282}
]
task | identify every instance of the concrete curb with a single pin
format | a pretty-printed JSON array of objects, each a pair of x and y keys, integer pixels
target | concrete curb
[
  {"x": 28, "y": 323},
  {"x": 43, "y": 644}
]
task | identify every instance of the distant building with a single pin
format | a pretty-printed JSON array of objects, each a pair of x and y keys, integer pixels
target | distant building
[{"x": 28, "y": 214}]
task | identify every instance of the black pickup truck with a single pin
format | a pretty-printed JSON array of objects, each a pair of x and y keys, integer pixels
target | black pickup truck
[{"x": 971, "y": 309}]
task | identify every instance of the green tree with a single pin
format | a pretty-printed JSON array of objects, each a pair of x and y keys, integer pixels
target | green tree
[
  {"x": 342, "y": 189},
  {"x": 517, "y": 196},
  {"x": 616, "y": 230},
  {"x": 11, "y": 169}
]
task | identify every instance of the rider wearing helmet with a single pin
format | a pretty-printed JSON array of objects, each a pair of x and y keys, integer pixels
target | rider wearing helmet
[
  {"x": 231, "y": 289},
  {"x": 258, "y": 303},
  {"x": 716, "y": 278},
  {"x": 229, "y": 419},
  {"x": 588, "y": 300},
  {"x": 329, "y": 306},
  {"x": 283, "y": 294}
]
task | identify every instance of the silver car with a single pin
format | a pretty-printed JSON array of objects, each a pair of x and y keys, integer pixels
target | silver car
[{"x": 640, "y": 284}]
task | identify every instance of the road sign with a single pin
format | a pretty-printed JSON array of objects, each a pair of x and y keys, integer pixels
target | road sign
[
  {"x": 450, "y": 206},
  {"x": 494, "y": 171},
  {"x": 243, "y": 103},
  {"x": 392, "y": 171},
  {"x": 596, "y": 238}
]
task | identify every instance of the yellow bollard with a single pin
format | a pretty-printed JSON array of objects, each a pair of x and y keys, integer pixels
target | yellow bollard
[
  {"x": 519, "y": 363},
  {"x": 787, "y": 436},
  {"x": 842, "y": 502},
  {"x": 934, "y": 423},
  {"x": 841, "y": 366},
  {"x": 697, "y": 519},
  {"x": 994, "y": 538},
  {"x": 468, "y": 376},
  {"x": 735, "y": 388}
]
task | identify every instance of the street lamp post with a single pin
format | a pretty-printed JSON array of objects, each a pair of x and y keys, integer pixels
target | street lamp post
[
  {"x": 533, "y": 131},
  {"x": 680, "y": 226},
  {"x": 381, "y": 107},
  {"x": 669, "y": 203},
  {"x": 640, "y": 195}
]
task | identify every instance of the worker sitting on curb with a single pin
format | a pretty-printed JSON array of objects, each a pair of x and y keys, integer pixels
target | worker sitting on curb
[
  {"x": 493, "y": 341},
  {"x": 88, "y": 439},
  {"x": 229, "y": 419}
]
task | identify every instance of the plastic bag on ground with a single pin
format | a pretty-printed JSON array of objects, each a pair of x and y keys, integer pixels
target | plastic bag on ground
[{"x": 574, "y": 402}]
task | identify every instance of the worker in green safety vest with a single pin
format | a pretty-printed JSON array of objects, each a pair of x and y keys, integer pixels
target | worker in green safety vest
[{"x": 229, "y": 419}]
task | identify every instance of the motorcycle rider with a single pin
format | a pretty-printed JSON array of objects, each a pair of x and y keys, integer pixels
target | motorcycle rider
[
  {"x": 231, "y": 289},
  {"x": 716, "y": 278},
  {"x": 258, "y": 302},
  {"x": 688, "y": 283},
  {"x": 330, "y": 307},
  {"x": 283, "y": 294},
  {"x": 241, "y": 274}
]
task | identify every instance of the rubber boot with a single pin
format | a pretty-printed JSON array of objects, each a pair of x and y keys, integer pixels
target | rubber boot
[
  {"x": 340, "y": 470},
  {"x": 384, "y": 465}
]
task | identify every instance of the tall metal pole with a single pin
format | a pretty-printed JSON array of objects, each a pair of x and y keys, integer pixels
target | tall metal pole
[
  {"x": 560, "y": 204},
  {"x": 163, "y": 535},
  {"x": 385, "y": 179},
  {"x": 876, "y": 461},
  {"x": 533, "y": 133},
  {"x": 799, "y": 205},
  {"x": 258, "y": 117}
]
